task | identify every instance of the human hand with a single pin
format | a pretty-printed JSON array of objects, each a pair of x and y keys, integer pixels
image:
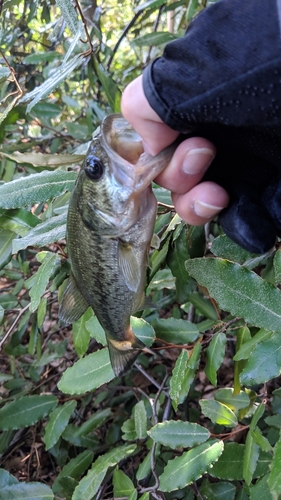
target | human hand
[{"x": 197, "y": 203}]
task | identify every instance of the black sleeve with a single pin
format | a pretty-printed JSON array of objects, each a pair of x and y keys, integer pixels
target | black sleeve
[{"x": 222, "y": 81}]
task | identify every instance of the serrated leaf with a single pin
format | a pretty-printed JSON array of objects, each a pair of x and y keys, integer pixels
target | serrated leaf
[
  {"x": 230, "y": 463},
  {"x": 41, "y": 280},
  {"x": 240, "y": 291},
  {"x": 6, "y": 479},
  {"x": 264, "y": 362},
  {"x": 277, "y": 266},
  {"x": 93, "y": 422},
  {"x": 57, "y": 423},
  {"x": 143, "y": 330},
  {"x": 234, "y": 401},
  {"x": 177, "y": 434},
  {"x": 96, "y": 331},
  {"x": 123, "y": 486},
  {"x": 218, "y": 413},
  {"x": 26, "y": 411},
  {"x": 140, "y": 420},
  {"x": 177, "y": 378},
  {"x": 90, "y": 484},
  {"x": 43, "y": 159},
  {"x": 225, "y": 248},
  {"x": 6, "y": 242},
  {"x": 190, "y": 466},
  {"x": 177, "y": 331},
  {"x": 26, "y": 491},
  {"x": 215, "y": 353},
  {"x": 190, "y": 372},
  {"x": 243, "y": 335},
  {"x": 87, "y": 374},
  {"x": 251, "y": 456},
  {"x": 47, "y": 232},
  {"x": 35, "y": 188}
]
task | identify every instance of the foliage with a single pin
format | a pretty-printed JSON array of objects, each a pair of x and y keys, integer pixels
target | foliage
[{"x": 198, "y": 417}]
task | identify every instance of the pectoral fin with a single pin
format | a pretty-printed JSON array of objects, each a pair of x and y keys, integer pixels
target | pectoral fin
[
  {"x": 128, "y": 265},
  {"x": 123, "y": 354},
  {"x": 73, "y": 304},
  {"x": 146, "y": 303}
]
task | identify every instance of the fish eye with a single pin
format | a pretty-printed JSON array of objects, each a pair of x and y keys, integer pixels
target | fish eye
[{"x": 94, "y": 168}]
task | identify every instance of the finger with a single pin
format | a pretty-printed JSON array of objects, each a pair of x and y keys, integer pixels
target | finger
[
  {"x": 155, "y": 134},
  {"x": 188, "y": 165},
  {"x": 201, "y": 204}
]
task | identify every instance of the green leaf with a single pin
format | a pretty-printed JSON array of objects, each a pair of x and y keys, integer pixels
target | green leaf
[
  {"x": 93, "y": 422},
  {"x": 90, "y": 484},
  {"x": 87, "y": 374},
  {"x": 243, "y": 335},
  {"x": 123, "y": 486},
  {"x": 251, "y": 456},
  {"x": 274, "y": 479},
  {"x": 81, "y": 335},
  {"x": 277, "y": 266},
  {"x": 70, "y": 15},
  {"x": 57, "y": 423},
  {"x": 177, "y": 378},
  {"x": 75, "y": 467},
  {"x": 154, "y": 38},
  {"x": 44, "y": 160},
  {"x": 111, "y": 90},
  {"x": 47, "y": 232},
  {"x": 261, "y": 440},
  {"x": 261, "y": 490},
  {"x": 234, "y": 401},
  {"x": 218, "y": 491},
  {"x": 230, "y": 464},
  {"x": 249, "y": 345},
  {"x": 218, "y": 413},
  {"x": 190, "y": 372},
  {"x": 215, "y": 354},
  {"x": 177, "y": 434},
  {"x": 6, "y": 479},
  {"x": 41, "y": 57},
  {"x": 257, "y": 416},
  {"x": 26, "y": 491},
  {"x": 96, "y": 331},
  {"x": 175, "y": 331},
  {"x": 150, "y": 4},
  {"x": 35, "y": 188},
  {"x": 143, "y": 330},
  {"x": 204, "y": 305},
  {"x": 140, "y": 420},
  {"x": 41, "y": 279},
  {"x": 225, "y": 248},
  {"x": 264, "y": 362},
  {"x": 6, "y": 239},
  {"x": 26, "y": 411},
  {"x": 239, "y": 291},
  {"x": 144, "y": 469},
  {"x": 19, "y": 221},
  {"x": 190, "y": 466},
  {"x": 177, "y": 255}
]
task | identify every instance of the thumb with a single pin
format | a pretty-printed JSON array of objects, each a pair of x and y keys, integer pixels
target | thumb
[{"x": 155, "y": 134}]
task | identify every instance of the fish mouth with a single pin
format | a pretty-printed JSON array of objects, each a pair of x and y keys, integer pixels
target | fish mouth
[
  {"x": 128, "y": 162},
  {"x": 123, "y": 146}
]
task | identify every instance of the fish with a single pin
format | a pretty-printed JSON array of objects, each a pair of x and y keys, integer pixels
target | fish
[{"x": 110, "y": 223}]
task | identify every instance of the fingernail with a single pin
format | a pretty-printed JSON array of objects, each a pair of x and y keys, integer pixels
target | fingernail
[
  {"x": 197, "y": 161},
  {"x": 205, "y": 210}
]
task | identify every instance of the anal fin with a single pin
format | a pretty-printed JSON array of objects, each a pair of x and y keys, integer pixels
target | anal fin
[{"x": 73, "y": 304}]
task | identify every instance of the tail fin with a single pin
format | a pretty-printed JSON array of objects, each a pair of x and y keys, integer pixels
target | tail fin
[{"x": 123, "y": 354}]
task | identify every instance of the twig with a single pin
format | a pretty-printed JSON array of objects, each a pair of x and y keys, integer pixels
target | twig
[
  {"x": 12, "y": 71},
  {"x": 151, "y": 379},
  {"x": 91, "y": 49},
  {"x": 124, "y": 33},
  {"x": 13, "y": 325}
]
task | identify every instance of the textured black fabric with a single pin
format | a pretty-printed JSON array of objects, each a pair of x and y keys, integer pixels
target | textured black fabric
[{"x": 222, "y": 81}]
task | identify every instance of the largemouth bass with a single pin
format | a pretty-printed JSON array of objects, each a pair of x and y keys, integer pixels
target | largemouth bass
[{"x": 110, "y": 224}]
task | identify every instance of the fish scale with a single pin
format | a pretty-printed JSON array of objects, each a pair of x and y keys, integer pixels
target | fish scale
[{"x": 110, "y": 224}]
